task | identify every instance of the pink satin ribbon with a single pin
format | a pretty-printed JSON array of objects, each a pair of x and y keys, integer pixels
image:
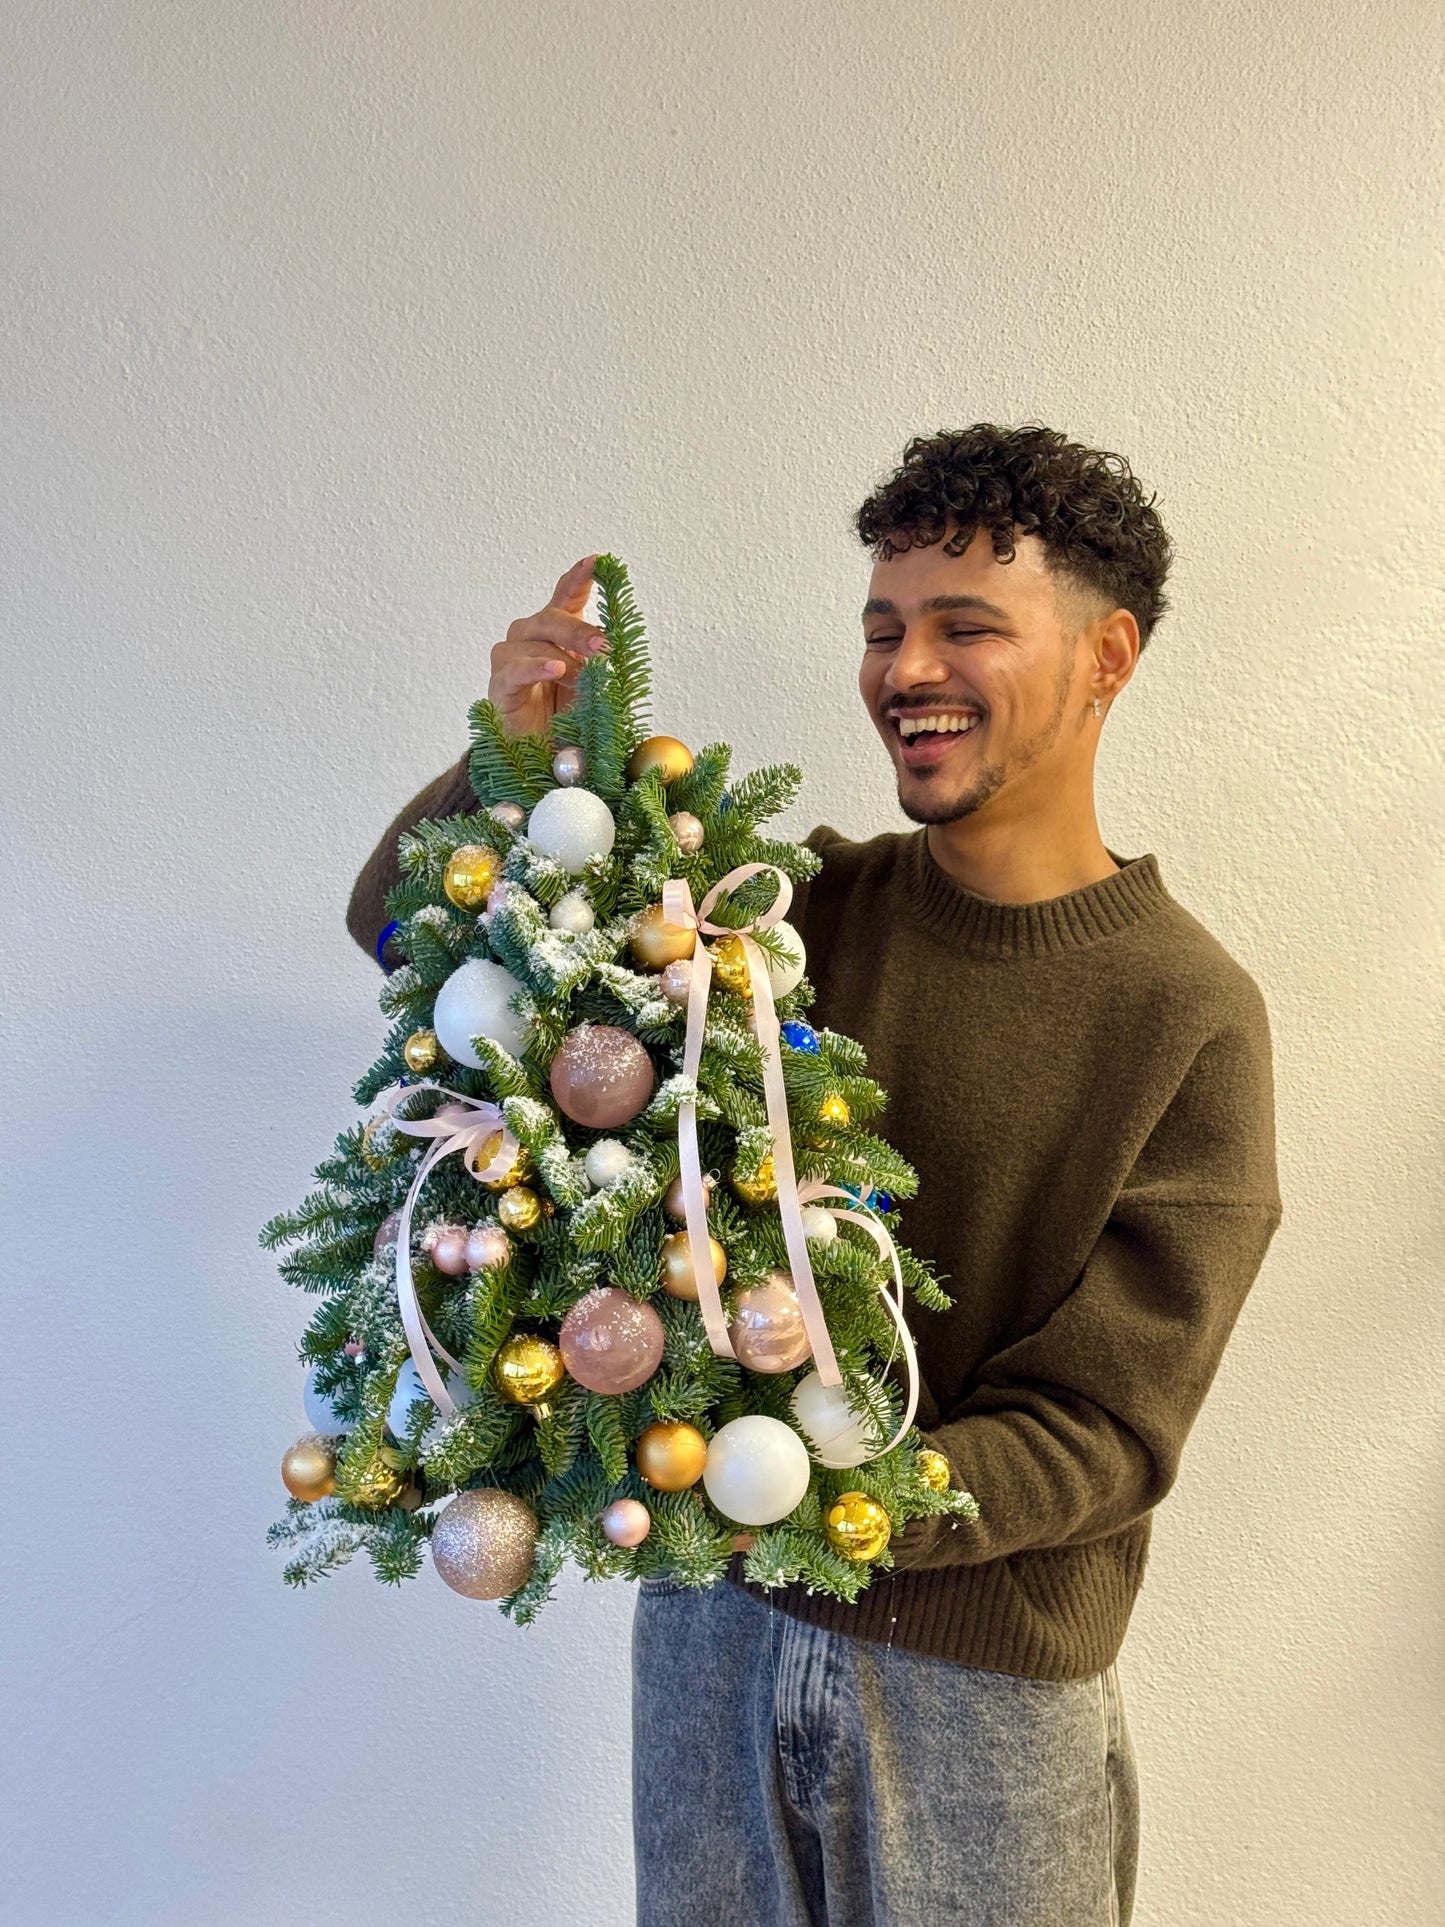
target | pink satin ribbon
[
  {"x": 677, "y": 909},
  {"x": 464, "y": 1125}
]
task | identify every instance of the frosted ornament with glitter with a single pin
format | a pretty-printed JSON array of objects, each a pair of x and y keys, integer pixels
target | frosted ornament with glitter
[
  {"x": 606, "y": 1162},
  {"x": 474, "y": 1002},
  {"x": 572, "y": 914},
  {"x": 573, "y": 827}
]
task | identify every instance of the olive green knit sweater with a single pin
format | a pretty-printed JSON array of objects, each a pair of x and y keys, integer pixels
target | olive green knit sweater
[{"x": 1085, "y": 1086}]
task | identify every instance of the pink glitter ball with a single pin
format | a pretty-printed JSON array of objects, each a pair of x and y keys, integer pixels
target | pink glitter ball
[
  {"x": 626, "y": 1522},
  {"x": 611, "y": 1341},
  {"x": 449, "y": 1250},
  {"x": 601, "y": 1076}
]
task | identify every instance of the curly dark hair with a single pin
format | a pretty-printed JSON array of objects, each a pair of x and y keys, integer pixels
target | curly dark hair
[{"x": 1103, "y": 541}]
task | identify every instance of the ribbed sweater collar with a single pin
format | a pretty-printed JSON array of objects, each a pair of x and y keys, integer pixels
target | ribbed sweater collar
[{"x": 1136, "y": 890}]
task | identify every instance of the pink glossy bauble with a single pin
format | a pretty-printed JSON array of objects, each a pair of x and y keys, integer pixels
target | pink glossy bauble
[
  {"x": 767, "y": 1329},
  {"x": 497, "y": 895},
  {"x": 688, "y": 830},
  {"x": 488, "y": 1247},
  {"x": 449, "y": 1250},
  {"x": 601, "y": 1076},
  {"x": 672, "y": 1199},
  {"x": 611, "y": 1341},
  {"x": 387, "y": 1233},
  {"x": 353, "y": 1348},
  {"x": 675, "y": 980},
  {"x": 626, "y": 1522}
]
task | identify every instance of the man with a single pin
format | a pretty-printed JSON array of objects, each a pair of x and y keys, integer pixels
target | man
[{"x": 1082, "y": 1075}]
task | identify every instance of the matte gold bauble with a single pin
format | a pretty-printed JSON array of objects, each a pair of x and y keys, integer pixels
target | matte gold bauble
[
  {"x": 519, "y": 1208},
  {"x": 421, "y": 1051},
  {"x": 671, "y": 1455},
  {"x": 834, "y": 1110},
  {"x": 308, "y": 1470},
  {"x": 470, "y": 873},
  {"x": 933, "y": 1469},
  {"x": 857, "y": 1526},
  {"x": 655, "y": 942},
  {"x": 665, "y": 754},
  {"x": 672, "y": 1199},
  {"x": 730, "y": 966},
  {"x": 678, "y": 1276},
  {"x": 522, "y": 1168},
  {"x": 761, "y": 1189},
  {"x": 527, "y": 1367}
]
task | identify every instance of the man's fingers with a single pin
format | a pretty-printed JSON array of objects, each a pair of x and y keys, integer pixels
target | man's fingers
[{"x": 574, "y": 586}]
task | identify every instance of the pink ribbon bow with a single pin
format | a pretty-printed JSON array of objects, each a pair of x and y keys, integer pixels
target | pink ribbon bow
[
  {"x": 677, "y": 909},
  {"x": 467, "y": 1125}
]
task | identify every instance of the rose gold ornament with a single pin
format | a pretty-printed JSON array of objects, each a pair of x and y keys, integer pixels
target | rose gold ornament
[
  {"x": 672, "y": 1199},
  {"x": 679, "y": 1277},
  {"x": 470, "y": 873},
  {"x": 767, "y": 1330},
  {"x": 353, "y": 1348},
  {"x": 626, "y": 1522},
  {"x": 671, "y": 1455},
  {"x": 601, "y": 1076},
  {"x": 675, "y": 982},
  {"x": 665, "y": 754},
  {"x": 688, "y": 830},
  {"x": 484, "y": 1544},
  {"x": 655, "y": 942},
  {"x": 308, "y": 1469},
  {"x": 449, "y": 1250},
  {"x": 387, "y": 1233},
  {"x": 488, "y": 1247},
  {"x": 497, "y": 895},
  {"x": 610, "y": 1341},
  {"x": 512, "y": 814},
  {"x": 569, "y": 766}
]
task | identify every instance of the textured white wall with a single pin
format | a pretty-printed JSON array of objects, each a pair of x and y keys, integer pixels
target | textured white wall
[{"x": 332, "y": 334}]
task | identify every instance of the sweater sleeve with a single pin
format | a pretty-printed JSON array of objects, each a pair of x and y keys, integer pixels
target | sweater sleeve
[
  {"x": 1075, "y": 1431},
  {"x": 446, "y": 795}
]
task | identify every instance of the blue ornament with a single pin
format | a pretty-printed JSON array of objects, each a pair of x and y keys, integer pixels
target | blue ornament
[
  {"x": 387, "y": 934},
  {"x": 800, "y": 1037},
  {"x": 724, "y": 802},
  {"x": 880, "y": 1201}
]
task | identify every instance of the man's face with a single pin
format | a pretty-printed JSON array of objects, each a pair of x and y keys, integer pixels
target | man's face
[{"x": 972, "y": 700}]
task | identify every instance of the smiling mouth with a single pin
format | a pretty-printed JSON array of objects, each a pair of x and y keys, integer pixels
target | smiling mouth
[{"x": 925, "y": 737}]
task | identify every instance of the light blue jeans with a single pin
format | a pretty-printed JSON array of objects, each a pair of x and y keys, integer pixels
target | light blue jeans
[{"x": 785, "y": 1776}]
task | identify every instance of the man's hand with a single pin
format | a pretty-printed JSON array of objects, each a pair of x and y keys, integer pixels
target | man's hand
[{"x": 534, "y": 672}]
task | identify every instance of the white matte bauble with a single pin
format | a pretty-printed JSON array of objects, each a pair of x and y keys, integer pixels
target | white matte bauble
[
  {"x": 573, "y": 913},
  {"x": 819, "y": 1226},
  {"x": 606, "y": 1161},
  {"x": 321, "y": 1414},
  {"x": 757, "y": 1470},
  {"x": 572, "y": 826},
  {"x": 473, "y": 1003},
  {"x": 840, "y": 1438},
  {"x": 785, "y": 977}
]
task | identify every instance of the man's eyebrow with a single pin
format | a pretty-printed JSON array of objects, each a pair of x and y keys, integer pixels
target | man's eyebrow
[{"x": 881, "y": 606}]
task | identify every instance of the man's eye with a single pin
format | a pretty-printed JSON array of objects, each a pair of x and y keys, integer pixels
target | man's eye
[
  {"x": 879, "y": 642},
  {"x": 962, "y": 635}
]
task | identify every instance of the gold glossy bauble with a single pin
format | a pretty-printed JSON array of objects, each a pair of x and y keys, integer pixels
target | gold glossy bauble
[
  {"x": 378, "y": 1483},
  {"x": 933, "y": 1469},
  {"x": 421, "y": 1051},
  {"x": 834, "y": 1110},
  {"x": 655, "y": 942},
  {"x": 761, "y": 1189},
  {"x": 671, "y": 1454},
  {"x": 308, "y": 1470},
  {"x": 665, "y": 754},
  {"x": 730, "y": 966},
  {"x": 522, "y": 1169},
  {"x": 857, "y": 1526},
  {"x": 382, "y": 1143},
  {"x": 519, "y": 1208},
  {"x": 527, "y": 1367},
  {"x": 470, "y": 873},
  {"x": 678, "y": 1275},
  {"x": 672, "y": 1199}
]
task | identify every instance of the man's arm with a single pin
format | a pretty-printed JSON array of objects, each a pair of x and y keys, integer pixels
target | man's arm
[
  {"x": 449, "y": 794},
  {"x": 1076, "y": 1431}
]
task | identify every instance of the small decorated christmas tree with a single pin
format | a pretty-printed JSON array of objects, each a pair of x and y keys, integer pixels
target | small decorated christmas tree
[{"x": 608, "y": 1274}]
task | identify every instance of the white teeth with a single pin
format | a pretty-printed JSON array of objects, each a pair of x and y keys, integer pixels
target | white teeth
[{"x": 911, "y": 726}]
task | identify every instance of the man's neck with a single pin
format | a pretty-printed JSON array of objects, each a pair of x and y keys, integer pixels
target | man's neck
[{"x": 1007, "y": 867}]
